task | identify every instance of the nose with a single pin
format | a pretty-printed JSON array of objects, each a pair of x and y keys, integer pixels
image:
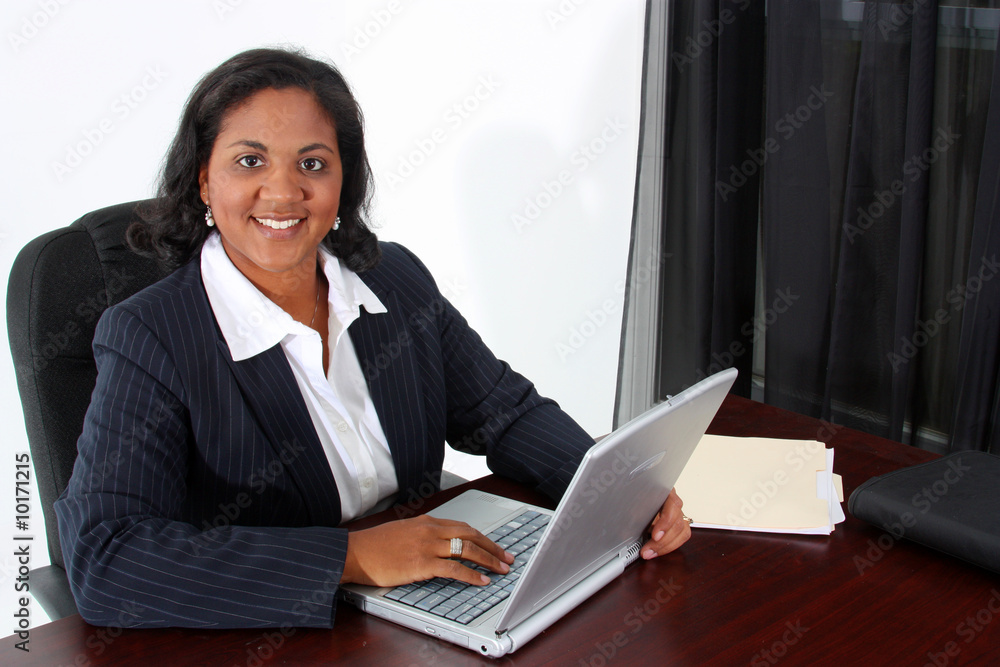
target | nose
[{"x": 282, "y": 186}]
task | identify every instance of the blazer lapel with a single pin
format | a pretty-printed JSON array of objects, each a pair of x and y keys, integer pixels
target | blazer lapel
[
  {"x": 384, "y": 345},
  {"x": 272, "y": 395}
]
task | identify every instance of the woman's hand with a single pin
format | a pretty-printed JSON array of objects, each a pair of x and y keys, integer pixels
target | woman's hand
[
  {"x": 401, "y": 552},
  {"x": 669, "y": 529}
]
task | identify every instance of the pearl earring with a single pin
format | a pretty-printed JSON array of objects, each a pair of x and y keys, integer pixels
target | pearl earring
[
  {"x": 336, "y": 224},
  {"x": 209, "y": 220}
]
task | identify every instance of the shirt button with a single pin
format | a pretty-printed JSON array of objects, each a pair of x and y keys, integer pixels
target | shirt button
[
  {"x": 367, "y": 483},
  {"x": 342, "y": 427}
]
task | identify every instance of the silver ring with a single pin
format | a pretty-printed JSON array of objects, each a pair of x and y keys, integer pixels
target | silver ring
[{"x": 456, "y": 547}]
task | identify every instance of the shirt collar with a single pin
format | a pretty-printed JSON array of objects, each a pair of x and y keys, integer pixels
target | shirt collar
[{"x": 251, "y": 323}]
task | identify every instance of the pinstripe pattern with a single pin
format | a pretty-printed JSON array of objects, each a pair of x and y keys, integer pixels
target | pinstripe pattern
[{"x": 201, "y": 496}]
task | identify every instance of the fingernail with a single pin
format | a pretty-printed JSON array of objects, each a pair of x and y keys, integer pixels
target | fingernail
[
  {"x": 658, "y": 536},
  {"x": 648, "y": 553},
  {"x": 483, "y": 578},
  {"x": 504, "y": 568},
  {"x": 509, "y": 557}
]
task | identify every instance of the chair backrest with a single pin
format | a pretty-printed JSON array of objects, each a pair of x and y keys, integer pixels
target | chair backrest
[{"x": 59, "y": 285}]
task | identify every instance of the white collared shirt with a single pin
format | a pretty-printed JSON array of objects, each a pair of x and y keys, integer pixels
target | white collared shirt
[{"x": 339, "y": 401}]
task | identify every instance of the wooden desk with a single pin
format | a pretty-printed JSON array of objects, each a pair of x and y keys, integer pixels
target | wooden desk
[{"x": 858, "y": 596}]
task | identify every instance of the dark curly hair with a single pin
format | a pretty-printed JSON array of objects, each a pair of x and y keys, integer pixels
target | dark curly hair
[{"x": 173, "y": 226}]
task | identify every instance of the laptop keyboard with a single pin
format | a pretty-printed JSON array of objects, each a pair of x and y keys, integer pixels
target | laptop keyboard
[{"x": 462, "y": 602}]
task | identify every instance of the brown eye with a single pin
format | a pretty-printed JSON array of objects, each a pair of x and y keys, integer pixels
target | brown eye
[
  {"x": 312, "y": 164},
  {"x": 249, "y": 161}
]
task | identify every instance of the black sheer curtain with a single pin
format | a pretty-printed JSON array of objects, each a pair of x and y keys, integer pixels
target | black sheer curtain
[
  {"x": 976, "y": 423},
  {"x": 881, "y": 244},
  {"x": 859, "y": 141},
  {"x": 844, "y": 350},
  {"x": 805, "y": 99}
]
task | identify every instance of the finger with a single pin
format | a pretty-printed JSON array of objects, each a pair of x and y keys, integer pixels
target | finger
[
  {"x": 476, "y": 554},
  {"x": 669, "y": 530},
  {"x": 469, "y": 534},
  {"x": 674, "y": 499},
  {"x": 482, "y": 551},
  {"x": 490, "y": 547},
  {"x": 453, "y": 569},
  {"x": 670, "y": 541},
  {"x": 668, "y": 516}
]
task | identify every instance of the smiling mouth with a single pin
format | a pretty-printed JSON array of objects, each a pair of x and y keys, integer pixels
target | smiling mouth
[{"x": 278, "y": 224}]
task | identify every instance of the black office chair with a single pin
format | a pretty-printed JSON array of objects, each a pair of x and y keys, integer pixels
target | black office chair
[{"x": 60, "y": 284}]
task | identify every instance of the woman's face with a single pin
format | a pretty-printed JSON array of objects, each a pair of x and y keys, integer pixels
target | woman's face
[{"x": 273, "y": 182}]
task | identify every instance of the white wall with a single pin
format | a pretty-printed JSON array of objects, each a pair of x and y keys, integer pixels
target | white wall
[{"x": 477, "y": 111}]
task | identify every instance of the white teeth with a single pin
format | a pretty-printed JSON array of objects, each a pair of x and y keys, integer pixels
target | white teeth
[{"x": 276, "y": 224}]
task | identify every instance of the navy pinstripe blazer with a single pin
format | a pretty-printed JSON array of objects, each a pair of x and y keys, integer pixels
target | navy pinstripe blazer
[{"x": 201, "y": 495}]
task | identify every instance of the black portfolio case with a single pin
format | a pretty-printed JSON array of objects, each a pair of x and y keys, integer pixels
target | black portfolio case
[{"x": 951, "y": 504}]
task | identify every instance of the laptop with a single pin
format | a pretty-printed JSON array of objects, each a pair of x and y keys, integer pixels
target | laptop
[{"x": 561, "y": 557}]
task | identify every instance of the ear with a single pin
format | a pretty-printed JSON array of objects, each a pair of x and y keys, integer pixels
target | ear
[{"x": 203, "y": 183}]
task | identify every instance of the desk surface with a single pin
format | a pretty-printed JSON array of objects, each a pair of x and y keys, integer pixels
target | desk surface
[{"x": 727, "y": 598}]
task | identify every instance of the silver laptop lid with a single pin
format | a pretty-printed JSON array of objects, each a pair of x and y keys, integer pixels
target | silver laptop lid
[{"x": 618, "y": 488}]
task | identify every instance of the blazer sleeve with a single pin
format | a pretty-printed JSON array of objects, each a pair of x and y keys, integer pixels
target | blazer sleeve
[
  {"x": 493, "y": 410},
  {"x": 131, "y": 560}
]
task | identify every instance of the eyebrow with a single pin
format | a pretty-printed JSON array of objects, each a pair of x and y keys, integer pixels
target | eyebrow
[
  {"x": 316, "y": 146},
  {"x": 256, "y": 145}
]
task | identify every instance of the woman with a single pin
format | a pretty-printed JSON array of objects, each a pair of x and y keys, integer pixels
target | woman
[{"x": 291, "y": 374}]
